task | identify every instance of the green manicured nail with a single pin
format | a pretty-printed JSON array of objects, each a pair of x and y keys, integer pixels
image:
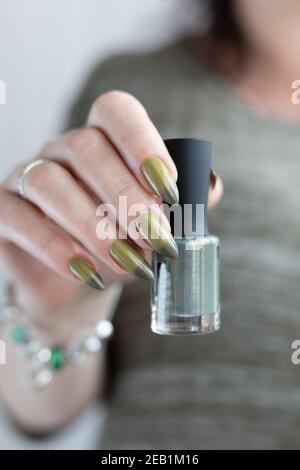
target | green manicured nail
[
  {"x": 130, "y": 259},
  {"x": 86, "y": 273},
  {"x": 160, "y": 179},
  {"x": 157, "y": 234}
]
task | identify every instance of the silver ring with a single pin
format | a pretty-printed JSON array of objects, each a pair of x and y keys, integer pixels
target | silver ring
[{"x": 21, "y": 177}]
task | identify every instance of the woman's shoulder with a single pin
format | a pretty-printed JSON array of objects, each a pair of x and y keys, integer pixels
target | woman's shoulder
[
  {"x": 150, "y": 76},
  {"x": 174, "y": 60}
]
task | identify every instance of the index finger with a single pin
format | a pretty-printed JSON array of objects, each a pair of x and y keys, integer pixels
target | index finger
[{"x": 127, "y": 125}]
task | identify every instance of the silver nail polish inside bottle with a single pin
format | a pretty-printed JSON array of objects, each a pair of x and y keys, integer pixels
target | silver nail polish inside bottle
[{"x": 185, "y": 290}]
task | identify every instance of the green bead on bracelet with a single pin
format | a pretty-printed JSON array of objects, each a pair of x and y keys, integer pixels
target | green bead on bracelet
[
  {"x": 48, "y": 360},
  {"x": 57, "y": 358},
  {"x": 45, "y": 360},
  {"x": 19, "y": 334}
]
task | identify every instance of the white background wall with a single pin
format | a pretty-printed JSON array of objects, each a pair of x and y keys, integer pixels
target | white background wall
[{"x": 47, "y": 48}]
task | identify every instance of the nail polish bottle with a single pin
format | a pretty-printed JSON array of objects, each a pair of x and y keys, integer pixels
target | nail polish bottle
[{"x": 185, "y": 290}]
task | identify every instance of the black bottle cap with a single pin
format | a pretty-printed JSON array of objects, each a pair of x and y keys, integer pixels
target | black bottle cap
[{"x": 192, "y": 158}]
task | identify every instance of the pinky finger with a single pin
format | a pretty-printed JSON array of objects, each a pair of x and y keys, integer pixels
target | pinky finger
[{"x": 25, "y": 226}]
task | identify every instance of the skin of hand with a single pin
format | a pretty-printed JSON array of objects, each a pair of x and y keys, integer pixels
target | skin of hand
[
  {"x": 50, "y": 249},
  {"x": 49, "y": 246}
]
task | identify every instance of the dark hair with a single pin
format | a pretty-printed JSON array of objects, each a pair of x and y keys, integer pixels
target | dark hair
[
  {"x": 224, "y": 26},
  {"x": 223, "y": 46}
]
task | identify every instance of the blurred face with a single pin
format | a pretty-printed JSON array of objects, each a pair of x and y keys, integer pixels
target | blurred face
[{"x": 269, "y": 23}]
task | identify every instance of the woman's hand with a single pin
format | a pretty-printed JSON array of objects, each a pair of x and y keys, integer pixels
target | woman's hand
[{"x": 55, "y": 235}]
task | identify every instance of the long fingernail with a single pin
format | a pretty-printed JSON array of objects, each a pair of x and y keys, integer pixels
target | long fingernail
[
  {"x": 86, "y": 273},
  {"x": 157, "y": 234},
  {"x": 213, "y": 178},
  {"x": 130, "y": 259},
  {"x": 160, "y": 180}
]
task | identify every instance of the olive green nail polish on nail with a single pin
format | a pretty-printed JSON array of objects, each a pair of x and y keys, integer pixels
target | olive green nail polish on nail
[
  {"x": 130, "y": 259},
  {"x": 160, "y": 179},
  {"x": 86, "y": 273},
  {"x": 157, "y": 234}
]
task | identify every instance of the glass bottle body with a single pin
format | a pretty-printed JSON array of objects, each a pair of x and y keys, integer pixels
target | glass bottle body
[{"x": 186, "y": 292}]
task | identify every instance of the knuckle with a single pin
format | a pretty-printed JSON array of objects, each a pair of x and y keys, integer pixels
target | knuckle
[
  {"x": 81, "y": 140},
  {"x": 49, "y": 245},
  {"x": 113, "y": 99},
  {"x": 42, "y": 175},
  {"x": 89, "y": 226},
  {"x": 123, "y": 186}
]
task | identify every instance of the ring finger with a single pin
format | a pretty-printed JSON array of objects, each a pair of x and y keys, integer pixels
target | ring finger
[{"x": 54, "y": 190}]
